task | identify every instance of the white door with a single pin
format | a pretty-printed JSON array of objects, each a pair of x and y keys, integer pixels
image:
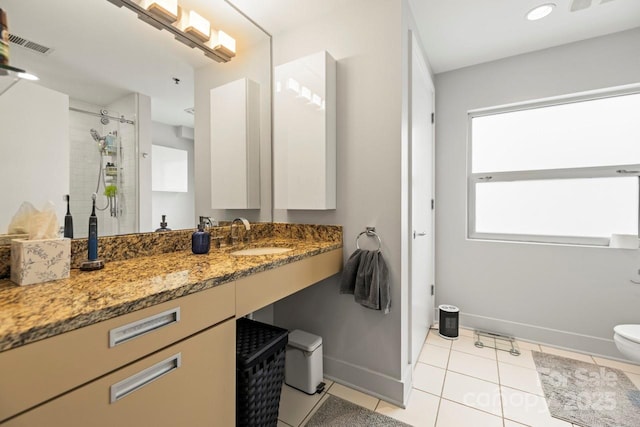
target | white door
[{"x": 422, "y": 239}]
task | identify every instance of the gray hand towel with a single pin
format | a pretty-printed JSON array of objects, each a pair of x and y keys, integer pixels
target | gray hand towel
[
  {"x": 348, "y": 279},
  {"x": 382, "y": 278},
  {"x": 364, "y": 279},
  {"x": 372, "y": 288}
]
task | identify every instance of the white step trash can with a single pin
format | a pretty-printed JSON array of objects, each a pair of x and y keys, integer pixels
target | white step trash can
[{"x": 303, "y": 366}]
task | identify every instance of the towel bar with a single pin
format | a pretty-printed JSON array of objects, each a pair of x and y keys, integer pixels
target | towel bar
[{"x": 371, "y": 232}]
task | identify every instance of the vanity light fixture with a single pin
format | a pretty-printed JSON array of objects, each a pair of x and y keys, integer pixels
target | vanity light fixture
[
  {"x": 316, "y": 100},
  {"x": 188, "y": 27},
  {"x": 27, "y": 76},
  {"x": 540, "y": 12},
  {"x": 293, "y": 85},
  {"x": 224, "y": 44},
  {"x": 17, "y": 74},
  {"x": 305, "y": 93},
  {"x": 194, "y": 24},
  {"x": 165, "y": 9}
]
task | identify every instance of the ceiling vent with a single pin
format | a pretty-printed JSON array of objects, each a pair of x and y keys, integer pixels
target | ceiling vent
[{"x": 28, "y": 44}]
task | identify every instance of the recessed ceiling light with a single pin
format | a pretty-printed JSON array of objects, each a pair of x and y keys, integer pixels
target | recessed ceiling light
[{"x": 540, "y": 12}]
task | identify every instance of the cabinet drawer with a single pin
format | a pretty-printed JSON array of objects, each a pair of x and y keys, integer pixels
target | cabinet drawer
[
  {"x": 261, "y": 289},
  {"x": 36, "y": 372},
  {"x": 155, "y": 391}
]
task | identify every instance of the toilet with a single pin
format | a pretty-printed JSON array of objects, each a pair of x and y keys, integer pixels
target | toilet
[{"x": 627, "y": 339}]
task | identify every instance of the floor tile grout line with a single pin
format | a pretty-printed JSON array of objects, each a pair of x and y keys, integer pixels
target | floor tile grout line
[
  {"x": 471, "y": 376},
  {"x": 435, "y": 421},
  {"x": 307, "y": 417},
  {"x": 472, "y": 354},
  {"x": 377, "y": 406},
  {"x": 471, "y": 407},
  {"x": 323, "y": 394},
  {"x": 517, "y": 366},
  {"x": 517, "y": 422},
  {"x": 519, "y": 389},
  {"x": 446, "y": 371},
  {"x": 500, "y": 388}
]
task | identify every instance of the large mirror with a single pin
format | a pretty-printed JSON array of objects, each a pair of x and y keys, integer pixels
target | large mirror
[{"x": 122, "y": 109}]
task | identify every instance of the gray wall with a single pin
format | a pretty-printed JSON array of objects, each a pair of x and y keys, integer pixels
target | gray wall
[
  {"x": 362, "y": 348},
  {"x": 569, "y": 296}
]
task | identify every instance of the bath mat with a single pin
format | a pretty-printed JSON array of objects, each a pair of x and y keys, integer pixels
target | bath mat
[
  {"x": 586, "y": 394},
  {"x": 336, "y": 412}
]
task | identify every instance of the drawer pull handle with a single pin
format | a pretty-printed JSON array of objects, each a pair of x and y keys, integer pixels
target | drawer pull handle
[
  {"x": 138, "y": 328},
  {"x": 142, "y": 378}
]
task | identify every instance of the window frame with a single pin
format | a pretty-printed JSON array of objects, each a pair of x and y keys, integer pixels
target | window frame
[{"x": 612, "y": 171}]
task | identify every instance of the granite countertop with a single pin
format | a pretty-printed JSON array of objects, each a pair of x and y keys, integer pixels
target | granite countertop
[{"x": 34, "y": 312}]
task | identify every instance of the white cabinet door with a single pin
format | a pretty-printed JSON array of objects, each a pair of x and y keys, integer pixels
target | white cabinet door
[
  {"x": 235, "y": 145},
  {"x": 305, "y": 133}
]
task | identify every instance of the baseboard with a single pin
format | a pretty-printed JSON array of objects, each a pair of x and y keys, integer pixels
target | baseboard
[
  {"x": 545, "y": 336},
  {"x": 365, "y": 380}
]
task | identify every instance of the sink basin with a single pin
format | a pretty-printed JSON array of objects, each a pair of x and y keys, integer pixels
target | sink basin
[{"x": 260, "y": 251}]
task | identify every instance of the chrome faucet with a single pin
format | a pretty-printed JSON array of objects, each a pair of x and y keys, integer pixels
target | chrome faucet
[
  {"x": 247, "y": 228},
  {"x": 208, "y": 222}
]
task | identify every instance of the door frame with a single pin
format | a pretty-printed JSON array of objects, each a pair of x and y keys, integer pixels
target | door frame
[{"x": 412, "y": 43}]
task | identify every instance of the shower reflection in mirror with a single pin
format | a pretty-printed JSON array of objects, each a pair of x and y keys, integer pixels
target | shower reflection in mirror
[{"x": 103, "y": 161}]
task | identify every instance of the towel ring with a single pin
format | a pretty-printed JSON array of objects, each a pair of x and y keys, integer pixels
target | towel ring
[{"x": 371, "y": 232}]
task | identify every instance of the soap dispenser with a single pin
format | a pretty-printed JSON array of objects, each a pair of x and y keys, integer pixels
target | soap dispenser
[
  {"x": 163, "y": 224},
  {"x": 200, "y": 240}
]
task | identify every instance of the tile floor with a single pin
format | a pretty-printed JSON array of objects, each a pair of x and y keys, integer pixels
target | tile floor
[{"x": 457, "y": 384}]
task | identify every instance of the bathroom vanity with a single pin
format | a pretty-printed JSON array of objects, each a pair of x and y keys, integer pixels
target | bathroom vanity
[{"x": 146, "y": 341}]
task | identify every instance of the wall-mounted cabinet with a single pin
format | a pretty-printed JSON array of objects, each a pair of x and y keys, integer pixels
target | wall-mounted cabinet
[
  {"x": 305, "y": 133},
  {"x": 235, "y": 145}
]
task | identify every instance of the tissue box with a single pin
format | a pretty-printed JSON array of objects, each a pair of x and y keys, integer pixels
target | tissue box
[
  {"x": 37, "y": 261},
  {"x": 5, "y": 239}
]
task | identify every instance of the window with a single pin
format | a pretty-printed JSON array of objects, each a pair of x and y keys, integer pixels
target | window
[
  {"x": 561, "y": 172},
  {"x": 169, "y": 169}
]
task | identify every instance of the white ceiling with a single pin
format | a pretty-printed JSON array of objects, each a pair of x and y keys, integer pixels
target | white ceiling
[
  {"x": 102, "y": 52},
  {"x": 459, "y": 33}
]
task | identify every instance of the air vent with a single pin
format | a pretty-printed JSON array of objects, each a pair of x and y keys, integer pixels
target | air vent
[
  {"x": 28, "y": 44},
  {"x": 190, "y": 110}
]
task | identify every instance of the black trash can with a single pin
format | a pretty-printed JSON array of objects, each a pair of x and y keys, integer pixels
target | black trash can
[{"x": 260, "y": 360}]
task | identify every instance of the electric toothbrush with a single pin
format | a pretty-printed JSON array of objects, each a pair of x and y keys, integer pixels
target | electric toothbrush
[
  {"x": 93, "y": 262},
  {"x": 68, "y": 219},
  {"x": 93, "y": 231}
]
